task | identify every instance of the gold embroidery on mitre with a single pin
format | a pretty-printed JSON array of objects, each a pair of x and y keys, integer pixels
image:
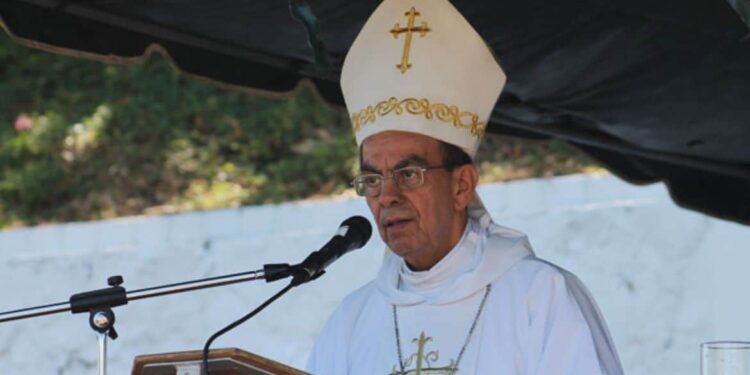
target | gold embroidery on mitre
[
  {"x": 440, "y": 111},
  {"x": 409, "y": 30},
  {"x": 424, "y": 361}
]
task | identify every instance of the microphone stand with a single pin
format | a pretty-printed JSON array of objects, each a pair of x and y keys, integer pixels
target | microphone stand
[{"x": 99, "y": 303}]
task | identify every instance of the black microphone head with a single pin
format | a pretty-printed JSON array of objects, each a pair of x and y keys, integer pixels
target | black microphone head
[{"x": 359, "y": 230}]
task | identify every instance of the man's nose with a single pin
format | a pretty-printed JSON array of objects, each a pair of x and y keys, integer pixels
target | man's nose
[{"x": 390, "y": 193}]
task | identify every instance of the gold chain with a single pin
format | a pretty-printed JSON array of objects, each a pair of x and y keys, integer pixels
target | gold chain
[{"x": 454, "y": 369}]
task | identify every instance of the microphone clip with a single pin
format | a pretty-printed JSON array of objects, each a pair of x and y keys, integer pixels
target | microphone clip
[{"x": 277, "y": 271}]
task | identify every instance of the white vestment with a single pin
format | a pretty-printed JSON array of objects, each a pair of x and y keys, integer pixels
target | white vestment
[{"x": 538, "y": 319}]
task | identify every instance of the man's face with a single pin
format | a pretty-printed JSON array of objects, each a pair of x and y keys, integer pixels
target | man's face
[{"x": 423, "y": 224}]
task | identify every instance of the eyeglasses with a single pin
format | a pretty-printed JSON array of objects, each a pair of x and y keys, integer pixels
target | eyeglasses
[{"x": 407, "y": 178}]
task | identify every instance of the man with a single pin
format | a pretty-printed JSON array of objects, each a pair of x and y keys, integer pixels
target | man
[{"x": 456, "y": 294}]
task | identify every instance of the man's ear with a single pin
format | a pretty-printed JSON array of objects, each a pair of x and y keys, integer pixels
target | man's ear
[{"x": 465, "y": 179}]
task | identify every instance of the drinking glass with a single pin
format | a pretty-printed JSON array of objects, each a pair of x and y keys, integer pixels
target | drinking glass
[{"x": 725, "y": 358}]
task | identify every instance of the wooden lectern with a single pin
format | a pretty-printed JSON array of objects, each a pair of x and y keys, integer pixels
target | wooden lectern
[{"x": 230, "y": 361}]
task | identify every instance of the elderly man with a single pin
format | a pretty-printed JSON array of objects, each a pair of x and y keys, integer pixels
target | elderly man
[{"x": 456, "y": 294}]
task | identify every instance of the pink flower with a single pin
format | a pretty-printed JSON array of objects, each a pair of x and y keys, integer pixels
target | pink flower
[{"x": 23, "y": 123}]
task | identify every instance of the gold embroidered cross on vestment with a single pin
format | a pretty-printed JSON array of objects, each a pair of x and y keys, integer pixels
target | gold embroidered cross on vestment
[
  {"x": 433, "y": 355},
  {"x": 423, "y": 360},
  {"x": 409, "y": 30}
]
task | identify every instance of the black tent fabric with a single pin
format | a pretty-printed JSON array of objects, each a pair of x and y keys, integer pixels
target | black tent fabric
[{"x": 657, "y": 91}]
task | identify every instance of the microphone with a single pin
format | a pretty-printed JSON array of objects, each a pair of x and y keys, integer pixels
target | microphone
[{"x": 353, "y": 233}]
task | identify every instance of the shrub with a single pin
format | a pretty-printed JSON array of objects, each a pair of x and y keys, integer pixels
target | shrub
[{"x": 85, "y": 140}]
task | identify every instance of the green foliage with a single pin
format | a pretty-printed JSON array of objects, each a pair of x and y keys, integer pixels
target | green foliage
[
  {"x": 502, "y": 159},
  {"x": 82, "y": 140},
  {"x": 100, "y": 140}
]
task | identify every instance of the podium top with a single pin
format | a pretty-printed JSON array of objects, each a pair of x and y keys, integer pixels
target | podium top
[{"x": 228, "y": 361}]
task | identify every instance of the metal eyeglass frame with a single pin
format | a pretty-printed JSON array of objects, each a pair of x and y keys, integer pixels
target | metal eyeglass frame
[{"x": 392, "y": 175}]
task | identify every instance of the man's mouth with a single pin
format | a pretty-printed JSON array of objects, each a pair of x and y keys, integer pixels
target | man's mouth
[{"x": 396, "y": 223}]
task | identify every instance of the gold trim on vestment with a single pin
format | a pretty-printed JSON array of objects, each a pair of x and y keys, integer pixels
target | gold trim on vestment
[{"x": 439, "y": 111}]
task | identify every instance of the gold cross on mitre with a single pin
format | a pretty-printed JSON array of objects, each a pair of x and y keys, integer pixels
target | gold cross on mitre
[{"x": 409, "y": 30}]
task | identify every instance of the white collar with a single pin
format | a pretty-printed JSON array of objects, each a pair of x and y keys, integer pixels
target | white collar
[
  {"x": 460, "y": 259},
  {"x": 484, "y": 253}
]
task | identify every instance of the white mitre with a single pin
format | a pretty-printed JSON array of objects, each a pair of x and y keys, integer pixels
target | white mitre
[{"x": 419, "y": 66}]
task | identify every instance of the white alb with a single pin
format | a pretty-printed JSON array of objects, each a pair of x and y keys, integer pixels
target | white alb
[{"x": 538, "y": 318}]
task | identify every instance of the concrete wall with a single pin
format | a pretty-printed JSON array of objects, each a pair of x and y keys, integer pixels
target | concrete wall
[{"x": 666, "y": 279}]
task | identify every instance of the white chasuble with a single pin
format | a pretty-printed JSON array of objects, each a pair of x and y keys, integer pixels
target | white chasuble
[{"x": 537, "y": 319}]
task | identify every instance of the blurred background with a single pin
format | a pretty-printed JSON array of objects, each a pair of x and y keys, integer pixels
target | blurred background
[{"x": 120, "y": 140}]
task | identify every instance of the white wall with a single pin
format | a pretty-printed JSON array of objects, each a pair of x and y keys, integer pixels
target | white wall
[{"x": 665, "y": 278}]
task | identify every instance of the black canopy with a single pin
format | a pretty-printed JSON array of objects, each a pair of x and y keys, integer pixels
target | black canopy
[{"x": 655, "y": 90}]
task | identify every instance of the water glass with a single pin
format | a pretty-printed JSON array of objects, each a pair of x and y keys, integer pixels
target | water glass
[{"x": 725, "y": 358}]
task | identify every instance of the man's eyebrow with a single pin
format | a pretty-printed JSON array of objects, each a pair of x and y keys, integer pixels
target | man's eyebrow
[
  {"x": 364, "y": 167},
  {"x": 408, "y": 161},
  {"x": 411, "y": 160}
]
